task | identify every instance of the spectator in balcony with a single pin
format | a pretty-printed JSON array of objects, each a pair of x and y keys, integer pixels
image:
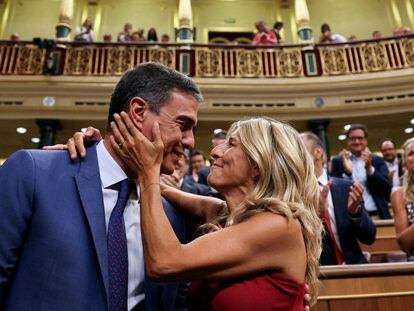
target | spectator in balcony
[
  {"x": 341, "y": 211},
  {"x": 359, "y": 164},
  {"x": 107, "y": 37},
  {"x": 329, "y": 37},
  {"x": 393, "y": 161},
  {"x": 152, "y": 35},
  {"x": 402, "y": 31},
  {"x": 84, "y": 33},
  {"x": 352, "y": 38},
  {"x": 263, "y": 35},
  {"x": 126, "y": 34},
  {"x": 376, "y": 34},
  {"x": 15, "y": 37},
  {"x": 402, "y": 203},
  {"x": 138, "y": 36},
  {"x": 277, "y": 27},
  {"x": 165, "y": 38}
]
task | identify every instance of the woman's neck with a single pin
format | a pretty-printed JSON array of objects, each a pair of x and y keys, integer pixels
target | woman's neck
[{"x": 235, "y": 196}]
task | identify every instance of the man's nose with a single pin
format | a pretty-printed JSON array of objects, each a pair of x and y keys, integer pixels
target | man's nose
[{"x": 188, "y": 140}]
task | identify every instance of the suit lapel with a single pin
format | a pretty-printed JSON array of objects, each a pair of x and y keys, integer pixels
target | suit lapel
[{"x": 90, "y": 191}]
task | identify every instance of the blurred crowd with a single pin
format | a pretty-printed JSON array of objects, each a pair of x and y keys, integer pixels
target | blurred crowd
[{"x": 263, "y": 36}]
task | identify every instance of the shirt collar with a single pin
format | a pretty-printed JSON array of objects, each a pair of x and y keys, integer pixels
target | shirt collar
[
  {"x": 111, "y": 173},
  {"x": 323, "y": 179}
]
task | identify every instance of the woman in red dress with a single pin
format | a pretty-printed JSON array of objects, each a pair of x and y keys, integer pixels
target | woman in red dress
[{"x": 261, "y": 244}]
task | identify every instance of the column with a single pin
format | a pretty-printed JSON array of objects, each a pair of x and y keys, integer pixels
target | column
[
  {"x": 320, "y": 128},
  {"x": 63, "y": 27},
  {"x": 302, "y": 21},
  {"x": 48, "y": 129},
  {"x": 185, "y": 19}
]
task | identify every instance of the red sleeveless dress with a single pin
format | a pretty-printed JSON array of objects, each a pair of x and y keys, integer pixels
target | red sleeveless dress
[{"x": 262, "y": 292}]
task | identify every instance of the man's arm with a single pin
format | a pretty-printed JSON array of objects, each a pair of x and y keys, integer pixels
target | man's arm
[
  {"x": 378, "y": 181},
  {"x": 365, "y": 228},
  {"x": 17, "y": 179},
  {"x": 337, "y": 169}
]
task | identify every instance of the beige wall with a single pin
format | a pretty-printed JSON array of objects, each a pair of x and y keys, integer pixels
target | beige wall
[{"x": 37, "y": 18}]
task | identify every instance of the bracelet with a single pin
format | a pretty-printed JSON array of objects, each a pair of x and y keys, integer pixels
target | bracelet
[{"x": 154, "y": 183}]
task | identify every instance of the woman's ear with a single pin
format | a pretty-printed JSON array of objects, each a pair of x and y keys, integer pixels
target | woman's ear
[{"x": 138, "y": 109}]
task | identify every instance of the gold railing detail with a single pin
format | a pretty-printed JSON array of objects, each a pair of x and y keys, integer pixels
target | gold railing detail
[
  {"x": 370, "y": 56},
  {"x": 210, "y": 61},
  {"x": 113, "y": 60},
  {"x": 21, "y": 59},
  {"x": 248, "y": 63}
]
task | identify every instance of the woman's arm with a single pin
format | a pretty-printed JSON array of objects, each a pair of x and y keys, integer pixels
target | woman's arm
[
  {"x": 403, "y": 230},
  {"x": 206, "y": 208},
  {"x": 263, "y": 242}
]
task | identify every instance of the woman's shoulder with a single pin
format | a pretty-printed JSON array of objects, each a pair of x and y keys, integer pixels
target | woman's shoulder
[
  {"x": 275, "y": 224},
  {"x": 397, "y": 193}
]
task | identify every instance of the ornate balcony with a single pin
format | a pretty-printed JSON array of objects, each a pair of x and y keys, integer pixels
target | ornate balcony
[{"x": 210, "y": 61}]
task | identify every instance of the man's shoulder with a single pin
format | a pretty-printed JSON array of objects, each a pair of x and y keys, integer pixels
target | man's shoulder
[
  {"x": 337, "y": 158},
  {"x": 341, "y": 182}
]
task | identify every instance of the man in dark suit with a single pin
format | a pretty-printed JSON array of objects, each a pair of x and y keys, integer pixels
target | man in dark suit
[
  {"x": 341, "y": 210},
  {"x": 359, "y": 164},
  {"x": 70, "y": 235},
  {"x": 393, "y": 160}
]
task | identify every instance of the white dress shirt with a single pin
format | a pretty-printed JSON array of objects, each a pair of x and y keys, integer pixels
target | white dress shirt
[
  {"x": 323, "y": 181},
  {"x": 111, "y": 174},
  {"x": 360, "y": 174},
  {"x": 394, "y": 167}
]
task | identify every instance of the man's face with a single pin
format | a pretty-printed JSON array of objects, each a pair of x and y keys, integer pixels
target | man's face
[
  {"x": 197, "y": 162},
  {"x": 388, "y": 151},
  {"x": 357, "y": 142},
  {"x": 177, "y": 119}
]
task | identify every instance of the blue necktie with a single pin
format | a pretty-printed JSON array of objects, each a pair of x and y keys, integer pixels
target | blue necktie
[{"x": 118, "y": 251}]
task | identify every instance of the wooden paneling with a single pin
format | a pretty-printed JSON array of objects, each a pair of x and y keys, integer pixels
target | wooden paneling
[{"x": 366, "y": 287}]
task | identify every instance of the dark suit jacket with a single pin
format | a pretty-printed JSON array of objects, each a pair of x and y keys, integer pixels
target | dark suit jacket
[
  {"x": 377, "y": 183},
  {"x": 349, "y": 231},
  {"x": 53, "y": 244},
  {"x": 203, "y": 173},
  {"x": 191, "y": 186}
]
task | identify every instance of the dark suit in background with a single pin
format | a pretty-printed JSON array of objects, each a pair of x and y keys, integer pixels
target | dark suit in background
[{"x": 350, "y": 230}]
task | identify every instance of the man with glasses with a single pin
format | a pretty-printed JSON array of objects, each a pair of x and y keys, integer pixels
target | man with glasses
[{"x": 357, "y": 163}]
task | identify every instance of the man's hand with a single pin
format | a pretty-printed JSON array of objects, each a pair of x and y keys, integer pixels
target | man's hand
[
  {"x": 77, "y": 142},
  {"x": 347, "y": 162},
  {"x": 355, "y": 198},
  {"x": 171, "y": 180},
  {"x": 323, "y": 199},
  {"x": 391, "y": 176},
  {"x": 367, "y": 156},
  {"x": 306, "y": 298}
]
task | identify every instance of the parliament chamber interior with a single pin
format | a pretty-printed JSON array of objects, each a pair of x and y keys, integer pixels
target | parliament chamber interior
[{"x": 60, "y": 60}]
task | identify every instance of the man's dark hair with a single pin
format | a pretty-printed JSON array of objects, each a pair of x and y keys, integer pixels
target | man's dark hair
[
  {"x": 390, "y": 140},
  {"x": 355, "y": 127},
  {"x": 325, "y": 27},
  {"x": 220, "y": 135},
  {"x": 196, "y": 152},
  {"x": 154, "y": 83},
  {"x": 312, "y": 137},
  {"x": 278, "y": 25}
]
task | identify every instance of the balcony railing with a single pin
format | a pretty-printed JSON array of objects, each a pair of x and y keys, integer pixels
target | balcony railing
[{"x": 210, "y": 61}]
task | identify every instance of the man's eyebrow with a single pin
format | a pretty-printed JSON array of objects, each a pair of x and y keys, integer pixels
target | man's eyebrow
[{"x": 187, "y": 120}]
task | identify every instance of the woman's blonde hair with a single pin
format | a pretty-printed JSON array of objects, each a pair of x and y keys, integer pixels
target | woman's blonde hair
[
  {"x": 286, "y": 185},
  {"x": 408, "y": 177}
]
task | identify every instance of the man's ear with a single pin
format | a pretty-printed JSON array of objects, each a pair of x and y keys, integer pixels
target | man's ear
[{"x": 138, "y": 109}]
